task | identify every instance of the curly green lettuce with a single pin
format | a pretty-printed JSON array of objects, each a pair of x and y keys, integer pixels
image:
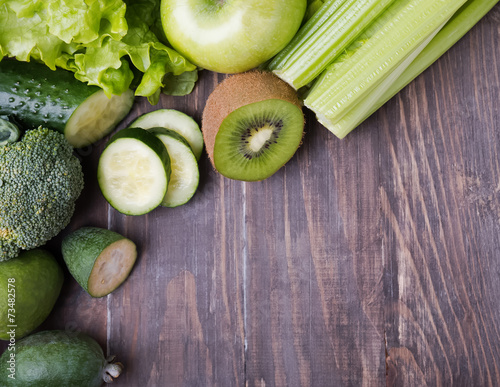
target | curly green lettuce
[{"x": 112, "y": 44}]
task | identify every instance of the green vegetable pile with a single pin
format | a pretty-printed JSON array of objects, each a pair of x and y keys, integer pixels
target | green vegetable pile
[
  {"x": 40, "y": 180},
  {"x": 113, "y": 44},
  {"x": 352, "y": 56}
]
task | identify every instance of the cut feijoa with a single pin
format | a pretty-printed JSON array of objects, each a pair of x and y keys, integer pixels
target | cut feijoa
[
  {"x": 134, "y": 171},
  {"x": 185, "y": 172},
  {"x": 100, "y": 260},
  {"x": 174, "y": 120},
  {"x": 29, "y": 287},
  {"x": 57, "y": 358}
]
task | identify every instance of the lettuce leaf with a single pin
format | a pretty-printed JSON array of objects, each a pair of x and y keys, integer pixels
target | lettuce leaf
[
  {"x": 84, "y": 22},
  {"x": 28, "y": 37},
  {"x": 109, "y": 43}
]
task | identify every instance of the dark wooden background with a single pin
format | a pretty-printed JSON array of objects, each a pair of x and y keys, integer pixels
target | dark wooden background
[{"x": 366, "y": 261}]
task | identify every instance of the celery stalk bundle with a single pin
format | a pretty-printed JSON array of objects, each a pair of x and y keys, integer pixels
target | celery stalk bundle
[
  {"x": 329, "y": 32},
  {"x": 345, "y": 91},
  {"x": 383, "y": 54},
  {"x": 461, "y": 22}
]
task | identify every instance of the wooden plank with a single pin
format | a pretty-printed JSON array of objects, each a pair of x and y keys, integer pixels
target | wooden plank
[
  {"x": 315, "y": 267},
  {"x": 178, "y": 319},
  {"x": 440, "y": 201}
]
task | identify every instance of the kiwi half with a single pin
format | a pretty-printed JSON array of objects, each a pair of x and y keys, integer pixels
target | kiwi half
[{"x": 252, "y": 125}]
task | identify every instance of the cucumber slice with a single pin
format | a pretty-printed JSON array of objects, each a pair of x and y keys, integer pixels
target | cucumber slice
[
  {"x": 99, "y": 260},
  {"x": 9, "y": 132},
  {"x": 185, "y": 173},
  {"x": 176, "y": 121},
  {"x": 96, "y": 117},
  {"x": 134, "y": 171},
  {"x": 37, "y": 96}
]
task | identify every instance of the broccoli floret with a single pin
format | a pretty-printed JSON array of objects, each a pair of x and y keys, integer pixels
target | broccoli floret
[{"x": 40, "y": 180}]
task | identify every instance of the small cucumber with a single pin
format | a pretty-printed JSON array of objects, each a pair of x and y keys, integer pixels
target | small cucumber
[
  {"x": 176, "y": 121},
  {"x": 100, "y": 260},
  {"x": 9, "y": 132},
  {"x": 134, "y": 171},
  {"x": 57, "y": 359},
  {"x": 32, "y": 281},
  {"x": 185, "y": 172},
  {"x": 37, "y": 96}
]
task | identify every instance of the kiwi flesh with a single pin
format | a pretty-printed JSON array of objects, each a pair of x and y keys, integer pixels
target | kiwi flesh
[{"x": 252, "y": 125}]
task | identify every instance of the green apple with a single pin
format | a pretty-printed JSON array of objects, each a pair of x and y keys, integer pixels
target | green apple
[{"x": 231, "y": 36}]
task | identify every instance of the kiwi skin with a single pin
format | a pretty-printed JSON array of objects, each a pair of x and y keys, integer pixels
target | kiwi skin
[{"x": 237, "y": 91}]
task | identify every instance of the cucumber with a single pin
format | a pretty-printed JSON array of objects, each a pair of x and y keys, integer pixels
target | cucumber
[
  {"x": 185, "y": 173},
  {"x": 134, "y": 171},
  {"x": 176, "y": 121},
  {"x": 37, "y": 96},
  {"x": 57, "y": 359},
  {"x": 99, "y": 260},
  {"x": 9, "y": 132},
  {"x": 29, "y": 287}
]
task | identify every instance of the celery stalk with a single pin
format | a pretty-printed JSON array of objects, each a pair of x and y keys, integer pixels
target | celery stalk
[
  {"x": 346, "y": 85},
  {"x": 306, "y": 32},
  {"x": 334, "y": 26},
  {"x": 351, "y": 119},
  {"x": 463, "y": 20},
  {"x": 312, "y": 7}
]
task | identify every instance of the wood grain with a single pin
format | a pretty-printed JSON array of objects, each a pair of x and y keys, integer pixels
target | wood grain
[
  {"x": 368, "y": 261},
  {"x": 439, "y": 194}
]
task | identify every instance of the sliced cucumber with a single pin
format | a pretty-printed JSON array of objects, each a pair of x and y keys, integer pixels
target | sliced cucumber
[
  {"x": 9, "y": 132},
  {"x": 185, "y": 172},
  {"x": 96, "y": 117},
  {"x": 134, "y": 171},
  {"x": 176, "y": 121},
  {"x": 99, "y": 260},
  {"x": 35, "y": 95}
]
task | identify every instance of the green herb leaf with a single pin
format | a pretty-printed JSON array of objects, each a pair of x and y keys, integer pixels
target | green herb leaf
[{"x": 107, "y": 43}]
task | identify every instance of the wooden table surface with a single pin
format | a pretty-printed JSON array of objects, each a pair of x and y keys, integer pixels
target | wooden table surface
[{"x": 367, "y": 261}]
